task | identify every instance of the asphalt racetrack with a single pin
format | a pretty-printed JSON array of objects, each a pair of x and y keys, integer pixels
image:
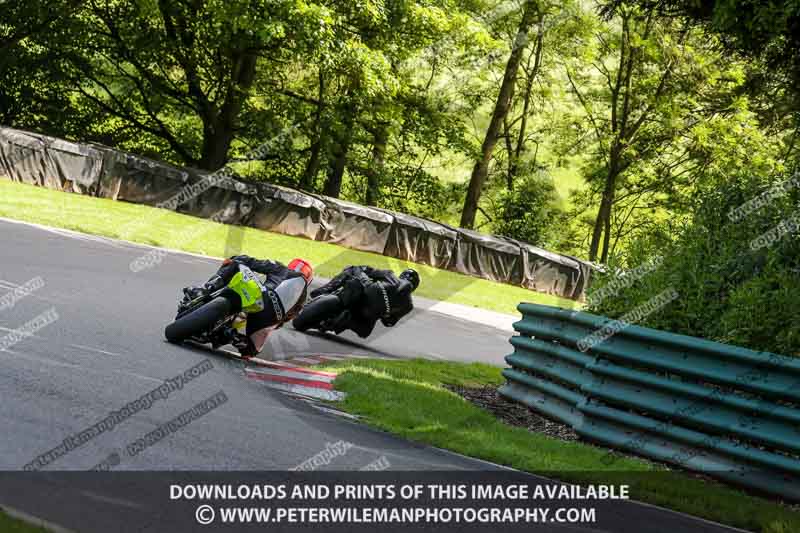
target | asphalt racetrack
[{"x": 106, "y": 349}]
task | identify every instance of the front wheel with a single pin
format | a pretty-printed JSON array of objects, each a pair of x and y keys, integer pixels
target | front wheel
[
  {"x": 198, "y": 321},
  {"x": 316, "y": 312}
]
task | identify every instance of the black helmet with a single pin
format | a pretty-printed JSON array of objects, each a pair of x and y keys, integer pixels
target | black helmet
[{"x": 411, "y": 276}]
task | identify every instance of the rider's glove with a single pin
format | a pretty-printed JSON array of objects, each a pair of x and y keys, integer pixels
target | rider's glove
[
  {"x": 214, "y": 284},
  {"x": 191, "y": 293}
]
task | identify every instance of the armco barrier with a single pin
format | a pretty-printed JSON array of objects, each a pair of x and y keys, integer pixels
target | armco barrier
[{"x": 726, "y": 411}]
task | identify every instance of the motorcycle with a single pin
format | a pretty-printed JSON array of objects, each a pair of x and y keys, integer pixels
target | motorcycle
[
  {"x": 327, "y": 312},
  {"x": 207, "y": 317},
  {"x": 320, "y": 313}
]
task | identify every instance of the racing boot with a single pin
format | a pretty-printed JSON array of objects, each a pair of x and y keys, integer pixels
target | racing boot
[
  {"x": 245, "y": 345},
  {"x": 241, "y": 342}
]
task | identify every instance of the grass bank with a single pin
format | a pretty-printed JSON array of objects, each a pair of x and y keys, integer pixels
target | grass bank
[
  {"x": 12, "y": 525},
  {"x": 160, "y": 227},
  {"x": 434, "y": 415}
]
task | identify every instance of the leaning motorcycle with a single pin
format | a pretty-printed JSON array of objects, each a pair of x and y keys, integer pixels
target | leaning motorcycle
[
  {"x": 319, "y": 313},
  {"x": 206, "y": 317}
]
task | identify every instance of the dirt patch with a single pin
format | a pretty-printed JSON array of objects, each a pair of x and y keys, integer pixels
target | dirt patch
[{"x": 512, "y": 413}]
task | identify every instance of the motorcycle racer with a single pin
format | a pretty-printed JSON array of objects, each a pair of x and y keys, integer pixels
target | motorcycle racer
[
  {"x": 285, "y": 288},
  {"x": 367, "y": 295}
]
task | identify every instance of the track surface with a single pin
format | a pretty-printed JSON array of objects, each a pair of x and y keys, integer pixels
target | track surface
[{"x": 106, "y": 349}]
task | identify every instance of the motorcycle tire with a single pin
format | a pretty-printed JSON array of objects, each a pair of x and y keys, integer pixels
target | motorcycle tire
[
  {"x": 199, "y": 320},
  {"x": 316, "y": 312}
]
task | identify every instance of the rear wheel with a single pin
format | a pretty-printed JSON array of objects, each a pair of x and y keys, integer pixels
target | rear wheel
[
  {"x": 199, "y": 320},
  {"x": 319, "y": 310}
]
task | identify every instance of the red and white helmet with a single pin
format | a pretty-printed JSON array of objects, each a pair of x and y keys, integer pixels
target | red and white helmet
[{"x": 302, "y": 266}]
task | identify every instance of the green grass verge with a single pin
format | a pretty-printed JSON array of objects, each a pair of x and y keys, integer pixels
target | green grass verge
[
  {"x": 434, "y": 415},
  {"x": 160, "y": 227},
  {"x": 12, "y": 525}
]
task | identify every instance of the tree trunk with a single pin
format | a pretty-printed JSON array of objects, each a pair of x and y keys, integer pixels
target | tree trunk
[
  {"x": 511, "y": 171},
  {"x": 619, "y": 126},
  {"x": 526, "y": 103},
  {"x": 333, "y": 185},
  {"x": 607, "y": 234},
  {"x": 481, "y": 168},
  {"x": 604, "y": 213},
  {"x": 375, "y": 171},
  {"x": 219, "y": 127},
  {"x": 216, "y": 142},
  {"x": 312, "y": 166}
]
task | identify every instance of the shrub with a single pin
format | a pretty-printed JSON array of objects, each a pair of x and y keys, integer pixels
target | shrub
[
  {"x": 530, "y": 212},
  {"x": 728, "y": 291}
]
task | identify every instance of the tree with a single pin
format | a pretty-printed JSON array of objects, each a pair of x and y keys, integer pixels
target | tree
[
  {"x": 625, "y": 99},
  {"x": 181, "y": 72},
  {"x": 530, "y": 12},
  {"x": 27, "y": 18},
  {"x": 357, "y": 92},
  {"x": 31, "y": 95},
  {"x": 516, "y": 145},
  {"x": 765, "y": 30},
  {"x": 655, "y": 74}
]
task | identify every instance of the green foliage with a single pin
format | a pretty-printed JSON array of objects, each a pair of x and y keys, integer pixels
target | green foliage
[
  {"x": 771, "y": 296},
  {"x": 32, "y": 91},
  {"x": 412, "y": 190},
  {"x": 386, "y": 86},
  {"x": 27, "y": 97},
  {"x": 530, "y": 212},
  {"x": 763, "y": 29},
  {"x": 728, "y": 291}
]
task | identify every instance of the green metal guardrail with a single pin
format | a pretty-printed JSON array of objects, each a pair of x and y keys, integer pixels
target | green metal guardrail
[{"x": 726, "y": 411}]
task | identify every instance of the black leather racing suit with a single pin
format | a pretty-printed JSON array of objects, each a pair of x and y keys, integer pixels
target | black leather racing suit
[{"x": 368, "y": 295}]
